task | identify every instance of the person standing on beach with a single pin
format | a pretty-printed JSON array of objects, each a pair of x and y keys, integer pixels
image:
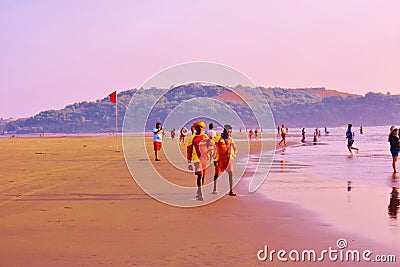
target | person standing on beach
[
  {"x": 315, "y": 140},
  {"x": 173, "y": 134},
  {"x": 350, "y": 139},
  {"x": 390, "y": 131},
  {"x": 279, "y": 130},
  {"x": 303, "y": 134},
  {"x": 256, "y": 133},
  {"x": 182, "y": 135},
  {"x": 225, "y": 152},
  {"x": 283, "y": 135},
  {"x": 251, "y": 133},
  {"x": 394, "y": 147},
  {"x": 194, "y": 153},
  {"x": 158, "y": 134},
  {"x": 212, "y": 135},
  {"x": 361, "y": 130},
  {"x": 210, "y": 132}
]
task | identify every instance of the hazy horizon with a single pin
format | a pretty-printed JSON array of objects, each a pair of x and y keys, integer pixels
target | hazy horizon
[{"x": 58, "y": 53}]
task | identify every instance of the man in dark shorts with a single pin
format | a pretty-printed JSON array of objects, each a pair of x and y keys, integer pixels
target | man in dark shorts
[
  {"x": 350, "y": 139},
  {"x": 394, "y": 147}
]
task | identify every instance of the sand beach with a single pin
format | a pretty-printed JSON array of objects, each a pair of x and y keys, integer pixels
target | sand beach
[{"x": 71, "y": 201}]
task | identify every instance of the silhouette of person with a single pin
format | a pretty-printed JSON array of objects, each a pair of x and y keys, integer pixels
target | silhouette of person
[
  {"x": 315, "y": 139},
  {"x": 173, "y": 134},
  {"x": 251, "y": 133},
  {"x": 350, "y": 139},
  {"x": 303, "y": 134},
  {"x": 394, "y": 147},
  {"x": 349, "y": 186}
]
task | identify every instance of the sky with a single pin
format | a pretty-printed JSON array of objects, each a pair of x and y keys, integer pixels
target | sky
[{"x": 55, "y": 53}]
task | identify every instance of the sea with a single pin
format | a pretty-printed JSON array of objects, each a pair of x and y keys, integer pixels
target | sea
[{"x": 351, "y": 193}]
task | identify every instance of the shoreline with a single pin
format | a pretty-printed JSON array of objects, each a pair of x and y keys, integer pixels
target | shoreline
[
  {"x": 79, "y": 205},
  {"x": 358, "y": 207}
]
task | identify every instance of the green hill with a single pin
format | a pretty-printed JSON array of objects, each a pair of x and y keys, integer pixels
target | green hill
[{"x": 306, "y": 107}]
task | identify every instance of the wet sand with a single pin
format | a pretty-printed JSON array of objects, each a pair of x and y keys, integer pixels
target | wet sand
[
  {"x": 350, "y": 192},
  {"x": 72, "y": 202}
]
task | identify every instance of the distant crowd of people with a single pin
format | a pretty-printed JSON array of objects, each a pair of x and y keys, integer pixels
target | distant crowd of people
[
  {"x": 206, "y": 145},
  {"x": 393, "y": 139}
]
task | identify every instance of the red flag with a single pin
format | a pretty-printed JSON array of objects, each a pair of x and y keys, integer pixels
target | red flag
[{"x": 113, "y": 97}]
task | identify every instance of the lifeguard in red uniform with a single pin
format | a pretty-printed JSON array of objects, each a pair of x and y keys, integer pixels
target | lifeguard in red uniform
[
  {"x": 224, "y": 154},
  {"x": 198, "y": 153}
]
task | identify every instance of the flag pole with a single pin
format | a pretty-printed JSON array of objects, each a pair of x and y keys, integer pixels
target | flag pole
[{"x": 116, "y": 121}]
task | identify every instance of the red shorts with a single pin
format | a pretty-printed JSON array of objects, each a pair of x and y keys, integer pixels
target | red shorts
[
  {"x": 224, "y": 165},
  {"x": 201, "y": 167},
  {"x": 157, "y": 146}
]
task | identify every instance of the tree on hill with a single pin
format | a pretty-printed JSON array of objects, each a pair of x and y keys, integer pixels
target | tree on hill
[{"x": 307, "y": 107}]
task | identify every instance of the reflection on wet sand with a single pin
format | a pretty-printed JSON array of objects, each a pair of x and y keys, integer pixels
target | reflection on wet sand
[
  {"x": 394, "y": 203},
  {"x": 280, "y": 166}
]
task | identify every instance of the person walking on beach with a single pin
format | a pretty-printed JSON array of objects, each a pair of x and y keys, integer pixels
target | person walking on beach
[
  {"x": 212, "y": 135},
  {"x": 283, "y": 135},
  {"x": 210, "y": 132},
  {"x": 394, "y": 147},
  {"x": 173, "y": 134},
  {"x": 350, "y": 139},
  {"x": 158, "y": 133},
  {"x": 225, "y": 152},
  {"x": 182, "y": 135},
  {"x": 194, "y": 153},
  {"x": 303, "y": 134},
  {"x": 315, "y": 139},
  {"x": 251, "y": 133},
  {"x": 256, "y": 133},
  {"x": 361, "y": 130},
  {"x": 279, "y": 130}
]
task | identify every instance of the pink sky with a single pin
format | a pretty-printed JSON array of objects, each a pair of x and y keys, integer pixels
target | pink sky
[{"x": 55, "y": 53}]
